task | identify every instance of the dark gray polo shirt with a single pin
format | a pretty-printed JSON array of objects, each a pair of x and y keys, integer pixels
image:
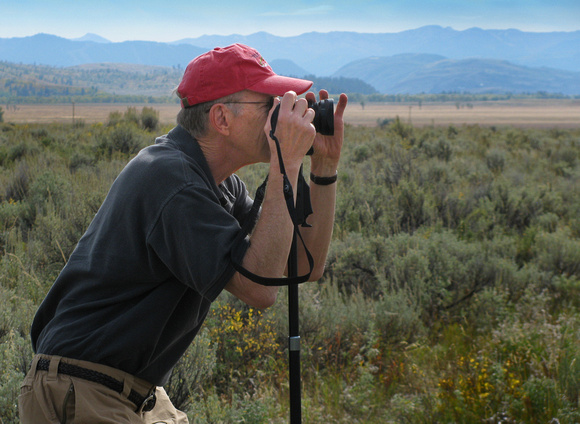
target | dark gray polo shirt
[{"x": 140, "y": 282}]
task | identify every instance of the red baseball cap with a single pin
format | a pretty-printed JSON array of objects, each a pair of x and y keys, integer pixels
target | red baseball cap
[{"x": 227, "y": 70}]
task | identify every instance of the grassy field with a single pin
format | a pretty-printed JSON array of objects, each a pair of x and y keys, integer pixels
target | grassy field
[
  {"x": 452, "y": 288},
  {"x": 524, "y": 114},
  {"x": 536, "y": 113}
]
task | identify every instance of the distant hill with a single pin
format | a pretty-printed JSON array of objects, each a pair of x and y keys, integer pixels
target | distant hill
[
  {"x": 412, "y": 74},
  {"x": 288, "y": 68},
  {"x": 325, "y": 53},
  {"x": 91, "y": 37},
  {"x": 385, "y": 72},
  {"x": 426, "y": 59},
  {"x": 106, "y": 82},
  {"x": 318, "y": 53},
  {"x": 45, "y": 49}
]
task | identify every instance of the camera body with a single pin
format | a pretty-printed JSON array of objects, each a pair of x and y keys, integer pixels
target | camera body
[{"x": 323, "y": 116}]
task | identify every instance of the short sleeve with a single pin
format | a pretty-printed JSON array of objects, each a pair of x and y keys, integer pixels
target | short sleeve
[{"x": 193, "y": 237}]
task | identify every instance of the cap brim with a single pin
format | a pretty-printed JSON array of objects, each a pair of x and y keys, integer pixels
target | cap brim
[{"x": 277, "y": 85}]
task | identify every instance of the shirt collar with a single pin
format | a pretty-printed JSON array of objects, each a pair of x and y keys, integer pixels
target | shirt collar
[{"x": 182, "y": 139}]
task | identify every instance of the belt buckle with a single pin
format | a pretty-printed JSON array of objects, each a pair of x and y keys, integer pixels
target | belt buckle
[{"x": 148, "y": 404}]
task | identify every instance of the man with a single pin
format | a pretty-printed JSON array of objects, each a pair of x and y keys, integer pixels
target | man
[{"x": 140, "y": 282}]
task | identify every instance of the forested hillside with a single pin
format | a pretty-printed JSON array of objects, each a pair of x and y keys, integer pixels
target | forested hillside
[
  {"x": 89, "y": 83},
  {"x": 451, "y": 294},
  {"x": 120, "y": 83}
]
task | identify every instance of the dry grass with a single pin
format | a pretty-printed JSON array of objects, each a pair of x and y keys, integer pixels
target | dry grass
[
  {"x": 528, "y": 113},
  {"x": 525, "y": 113},
  {"x": 87, "y": 112}
]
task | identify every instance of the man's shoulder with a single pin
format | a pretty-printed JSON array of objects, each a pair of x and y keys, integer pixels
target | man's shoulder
[{"x": 159, "y": 169}]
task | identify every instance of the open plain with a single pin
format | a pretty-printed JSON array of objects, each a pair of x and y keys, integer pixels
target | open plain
[{"x": 534, "y": 113}]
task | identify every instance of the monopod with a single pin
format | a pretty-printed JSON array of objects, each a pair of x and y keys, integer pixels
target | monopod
[
  {"x": 299, "y": 210},
  {"x": 303, "y": 209}
]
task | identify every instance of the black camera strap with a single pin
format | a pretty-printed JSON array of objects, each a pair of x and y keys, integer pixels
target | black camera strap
[{"x": 298, "y": 212}]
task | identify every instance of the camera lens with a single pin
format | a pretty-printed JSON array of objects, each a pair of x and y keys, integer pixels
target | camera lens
[{"x": 323, "y": 116}]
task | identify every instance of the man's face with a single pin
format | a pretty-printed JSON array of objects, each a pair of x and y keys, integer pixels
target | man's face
[{"x": 252, "y": 112}]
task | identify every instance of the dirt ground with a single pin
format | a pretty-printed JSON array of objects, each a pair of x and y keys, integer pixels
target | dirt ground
[{"x": 525, "y": 113}]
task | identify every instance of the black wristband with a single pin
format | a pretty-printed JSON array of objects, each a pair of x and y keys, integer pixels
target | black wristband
[{"x": 323, "y": 180}]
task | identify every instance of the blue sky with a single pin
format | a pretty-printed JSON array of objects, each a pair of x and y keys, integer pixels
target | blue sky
[{"x": 170, "y": 20}]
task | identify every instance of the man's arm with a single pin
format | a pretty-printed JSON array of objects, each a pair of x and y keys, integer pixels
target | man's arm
[
  {"x": 324, "y": 163},
  {"x": 272, "y": 237}
]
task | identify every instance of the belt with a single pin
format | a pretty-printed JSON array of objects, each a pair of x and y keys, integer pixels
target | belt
[{"x": 143, "y": 403}]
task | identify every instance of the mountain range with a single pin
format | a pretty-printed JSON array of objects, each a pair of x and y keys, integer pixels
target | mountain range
[
  {"x": 323, "y": 54},
  {"x": 428, "y": 59},
  {"x": 425, "y": 73}
]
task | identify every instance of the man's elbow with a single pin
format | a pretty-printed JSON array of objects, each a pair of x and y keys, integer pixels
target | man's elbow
[
  {"x": 265, "y": 300},
  {"x": 317, "y": 273},
  {"x": 252, "y": 294},
  {"x": 261, "y": 297}
]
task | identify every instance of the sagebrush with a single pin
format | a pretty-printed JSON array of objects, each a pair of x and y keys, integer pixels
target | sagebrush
[{"x": 451, "y": 292}]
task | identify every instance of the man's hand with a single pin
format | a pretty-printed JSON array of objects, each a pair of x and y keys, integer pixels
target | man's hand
[
  {"x": 327, "y": 148},
  {"x": 324, "y": 163},
  {"x": 294, "y": 130}
]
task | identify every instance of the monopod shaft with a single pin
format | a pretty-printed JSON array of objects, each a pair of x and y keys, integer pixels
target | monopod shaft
[{"x": 294, "y": 339}]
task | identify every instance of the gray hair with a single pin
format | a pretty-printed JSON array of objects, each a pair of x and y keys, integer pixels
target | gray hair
[{"x": 195, "y": 119}]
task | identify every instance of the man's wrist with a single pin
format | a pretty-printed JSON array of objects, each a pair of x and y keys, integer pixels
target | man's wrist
[
  {"x": 318, "y": 180},
  {"x": 324, "y": 167}
]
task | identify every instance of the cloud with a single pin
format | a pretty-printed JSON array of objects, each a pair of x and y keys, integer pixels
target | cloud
[{"x": 318, "y": 10}]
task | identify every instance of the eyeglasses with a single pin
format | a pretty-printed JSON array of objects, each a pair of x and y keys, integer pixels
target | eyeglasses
[{"x": 269, "y": 104}]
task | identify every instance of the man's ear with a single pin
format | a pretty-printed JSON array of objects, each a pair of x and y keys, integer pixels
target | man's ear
[{"x": 220, "y": 118}]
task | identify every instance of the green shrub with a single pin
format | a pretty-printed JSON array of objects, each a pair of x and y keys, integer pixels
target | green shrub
[
  {"x": 17, "y": 188},
  {"x": 15, "y": 357},
  {"x": 131, "y": 116},
  {"x": 402, "y": 130},
  {"x": 496, "y": 160},
  {"x": 123, "y": 138},
  {"x": 80, "y": 159},
  {"x": 241, "y": 335},
  {"x": 49, "y": 186},
  {"x": 450, "y": 294},
  {"x": 440, "y": 149},
  {"x": 558, "y": 253},
  {"x": 149, "y": 119},
  {"x": 115, "y": 118},
  {"x": 21, "y": 150},
  {"x": 193, "y": 370},
  {"x": 411, "y": 206}
]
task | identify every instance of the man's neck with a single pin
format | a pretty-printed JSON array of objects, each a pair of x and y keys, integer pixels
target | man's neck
[{"x": 221, "y": 158}]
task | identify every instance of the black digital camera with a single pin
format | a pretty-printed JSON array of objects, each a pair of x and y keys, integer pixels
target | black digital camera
[{"x": 323, "y": 116}]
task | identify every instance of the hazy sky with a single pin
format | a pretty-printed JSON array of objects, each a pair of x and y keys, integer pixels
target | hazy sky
[{"x": 170, "y": 20}]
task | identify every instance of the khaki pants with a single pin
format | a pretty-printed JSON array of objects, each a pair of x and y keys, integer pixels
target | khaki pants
[{"x": 50, "y": 397}]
